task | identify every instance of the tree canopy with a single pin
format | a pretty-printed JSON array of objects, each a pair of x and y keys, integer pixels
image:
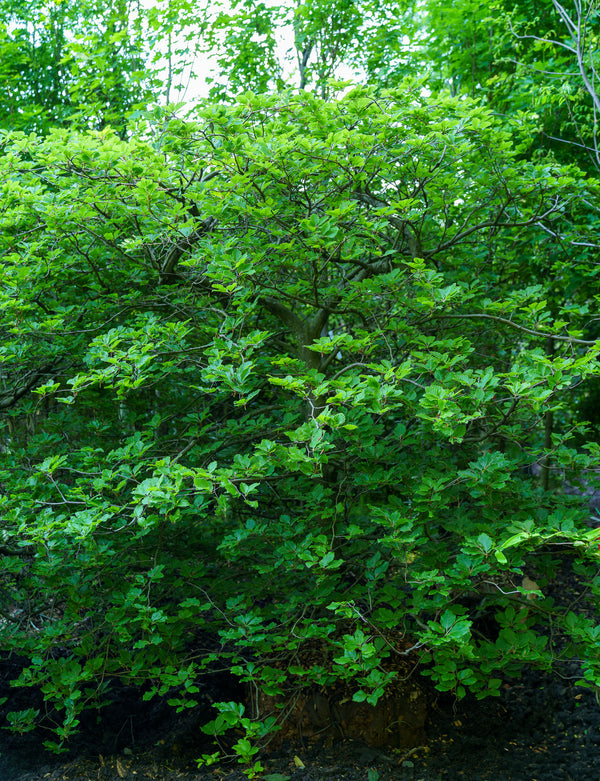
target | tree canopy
[{"x": 277, "y": 367}]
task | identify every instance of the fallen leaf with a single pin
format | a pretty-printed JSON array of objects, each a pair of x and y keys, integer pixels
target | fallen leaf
[
  {"x": 531, "y": 585},
  {"x": 299, "y": 763},
  {"x": 122, "y": 771}
]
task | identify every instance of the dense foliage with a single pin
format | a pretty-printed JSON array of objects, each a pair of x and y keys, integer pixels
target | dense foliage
[{"x": 280, "y": 372}]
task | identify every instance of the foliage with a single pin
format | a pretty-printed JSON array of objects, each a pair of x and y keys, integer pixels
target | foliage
[
  {"x": 66, "y": 63},
  {"x": 275, "y": 377},
  {"x": 535, "y": 61},
  {"x": 262, "y": 46},
  {"x": 293, "y": 347}
]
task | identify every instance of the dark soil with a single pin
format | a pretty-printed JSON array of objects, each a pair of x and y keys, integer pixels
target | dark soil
[{"x": 541, "y": 728}]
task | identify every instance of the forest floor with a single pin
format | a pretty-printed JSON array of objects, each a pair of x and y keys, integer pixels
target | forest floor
[{"x": 541, "y": 728}]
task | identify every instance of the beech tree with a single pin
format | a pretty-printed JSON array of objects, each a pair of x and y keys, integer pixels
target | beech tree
[
  {"x": 297, "y": 338},
  {"x": 279, "y": 373}
]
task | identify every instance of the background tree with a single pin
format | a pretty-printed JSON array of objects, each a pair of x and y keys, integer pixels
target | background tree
[
  {"x": 70, "y": 63},
  {"x": 307, "y": 44},
  {"x": 528, "y": 61}
]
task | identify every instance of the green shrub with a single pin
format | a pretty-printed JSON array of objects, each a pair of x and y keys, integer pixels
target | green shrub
[{"x": 274, "y": 377}]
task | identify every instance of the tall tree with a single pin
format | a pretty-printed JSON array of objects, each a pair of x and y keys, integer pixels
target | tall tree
[
  {"x": 307, "y": 44},
  {"x": 72, "y": 63},
  {"x": 534, "y": 63}
]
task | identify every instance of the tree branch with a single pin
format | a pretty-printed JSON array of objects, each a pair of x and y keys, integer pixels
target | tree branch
[
  {"x": 570, "y": 339},
  {"x": 167, "y": 268},
  {"x": 30, "y": 380}
]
